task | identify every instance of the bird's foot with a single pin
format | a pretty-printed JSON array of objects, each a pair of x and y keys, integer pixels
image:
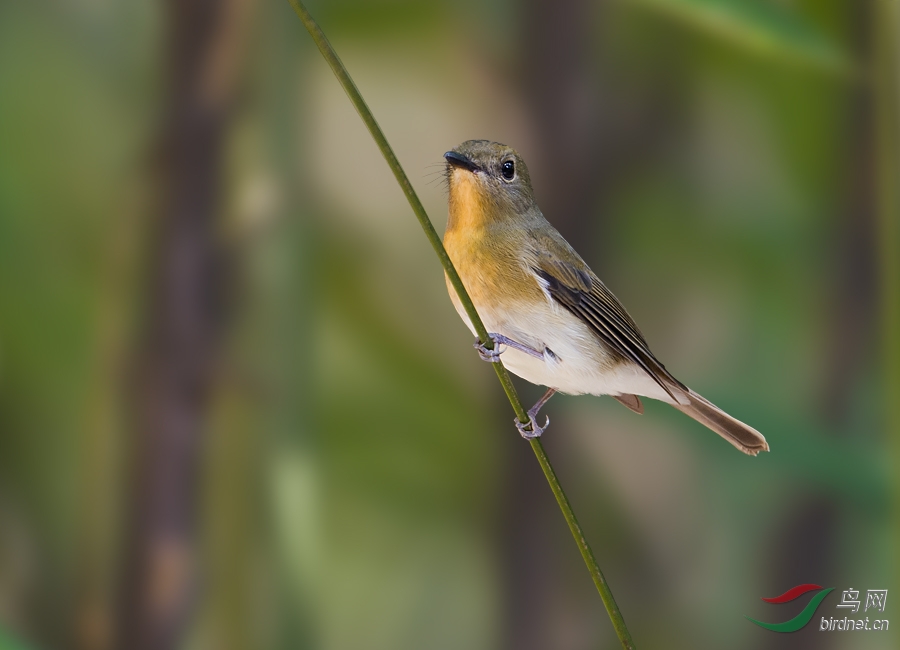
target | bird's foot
[
  {"x": 531, "y": 429},
  {"x": 491, "y": 356}
]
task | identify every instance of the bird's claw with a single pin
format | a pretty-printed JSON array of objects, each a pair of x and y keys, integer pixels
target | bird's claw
[
  {"x": 491, "y": 356},
  {"x": 531, "y": 429}
]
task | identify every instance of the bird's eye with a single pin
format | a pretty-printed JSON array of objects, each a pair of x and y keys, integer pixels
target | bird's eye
[{"x": 508, "y": 169}]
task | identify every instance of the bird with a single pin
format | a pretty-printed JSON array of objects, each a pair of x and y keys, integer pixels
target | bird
[{"x": 549, "y": 316}]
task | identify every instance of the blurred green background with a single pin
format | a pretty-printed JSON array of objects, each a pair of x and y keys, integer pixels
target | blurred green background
[{"x": 237, "y": 409}]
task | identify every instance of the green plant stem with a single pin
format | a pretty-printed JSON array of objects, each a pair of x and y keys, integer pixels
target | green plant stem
[{"x": 359, "y": 103}]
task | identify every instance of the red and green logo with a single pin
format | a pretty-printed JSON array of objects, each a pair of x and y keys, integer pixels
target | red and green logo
[{"x": 803, "y": 617}]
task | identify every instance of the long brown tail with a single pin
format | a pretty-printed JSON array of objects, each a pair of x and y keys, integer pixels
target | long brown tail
[{"x": 746, "y": 438}]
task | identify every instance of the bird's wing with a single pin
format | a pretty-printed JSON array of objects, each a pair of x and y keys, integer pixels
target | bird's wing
[{"x": 577, "y": 289}]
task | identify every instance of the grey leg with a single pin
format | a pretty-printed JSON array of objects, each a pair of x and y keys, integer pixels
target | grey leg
[
  {"x": 493, "y": 356},
  {"x": 535, "y": 431}
]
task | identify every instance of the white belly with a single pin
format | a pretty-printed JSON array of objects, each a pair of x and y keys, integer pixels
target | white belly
[{"x": 575, "y": 360}]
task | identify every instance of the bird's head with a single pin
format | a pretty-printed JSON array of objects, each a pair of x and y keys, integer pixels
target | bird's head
[{"x": 487, "y": 181}]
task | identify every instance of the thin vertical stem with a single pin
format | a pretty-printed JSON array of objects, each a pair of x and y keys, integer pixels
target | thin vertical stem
[
  {"x": 606, "y": 594},
  {"x": 359, "y": 103}
]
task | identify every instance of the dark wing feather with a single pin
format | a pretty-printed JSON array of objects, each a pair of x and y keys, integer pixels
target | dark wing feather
[{"x": 582, "y": 293}]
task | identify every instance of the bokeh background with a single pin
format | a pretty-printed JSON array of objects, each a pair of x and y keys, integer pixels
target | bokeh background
[{"x": 237, "y": 409}]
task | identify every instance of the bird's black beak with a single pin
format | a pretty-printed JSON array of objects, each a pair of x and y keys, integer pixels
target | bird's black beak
[{"x": 459, "y": 160}]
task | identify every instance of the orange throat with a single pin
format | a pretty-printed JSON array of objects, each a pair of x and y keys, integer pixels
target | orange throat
[{"x": 467, "y": 203}]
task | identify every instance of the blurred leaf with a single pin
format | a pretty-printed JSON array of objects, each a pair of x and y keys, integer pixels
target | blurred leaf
[
  {"x": 7, "y": 642},
  {"x": 761, "y": 27}
]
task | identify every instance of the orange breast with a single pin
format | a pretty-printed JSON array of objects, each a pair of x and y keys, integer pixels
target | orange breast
[{"x": 486, "y": 249}]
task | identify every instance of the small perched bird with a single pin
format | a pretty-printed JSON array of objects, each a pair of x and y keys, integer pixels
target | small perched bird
[{"x": 555, "y": 323}]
